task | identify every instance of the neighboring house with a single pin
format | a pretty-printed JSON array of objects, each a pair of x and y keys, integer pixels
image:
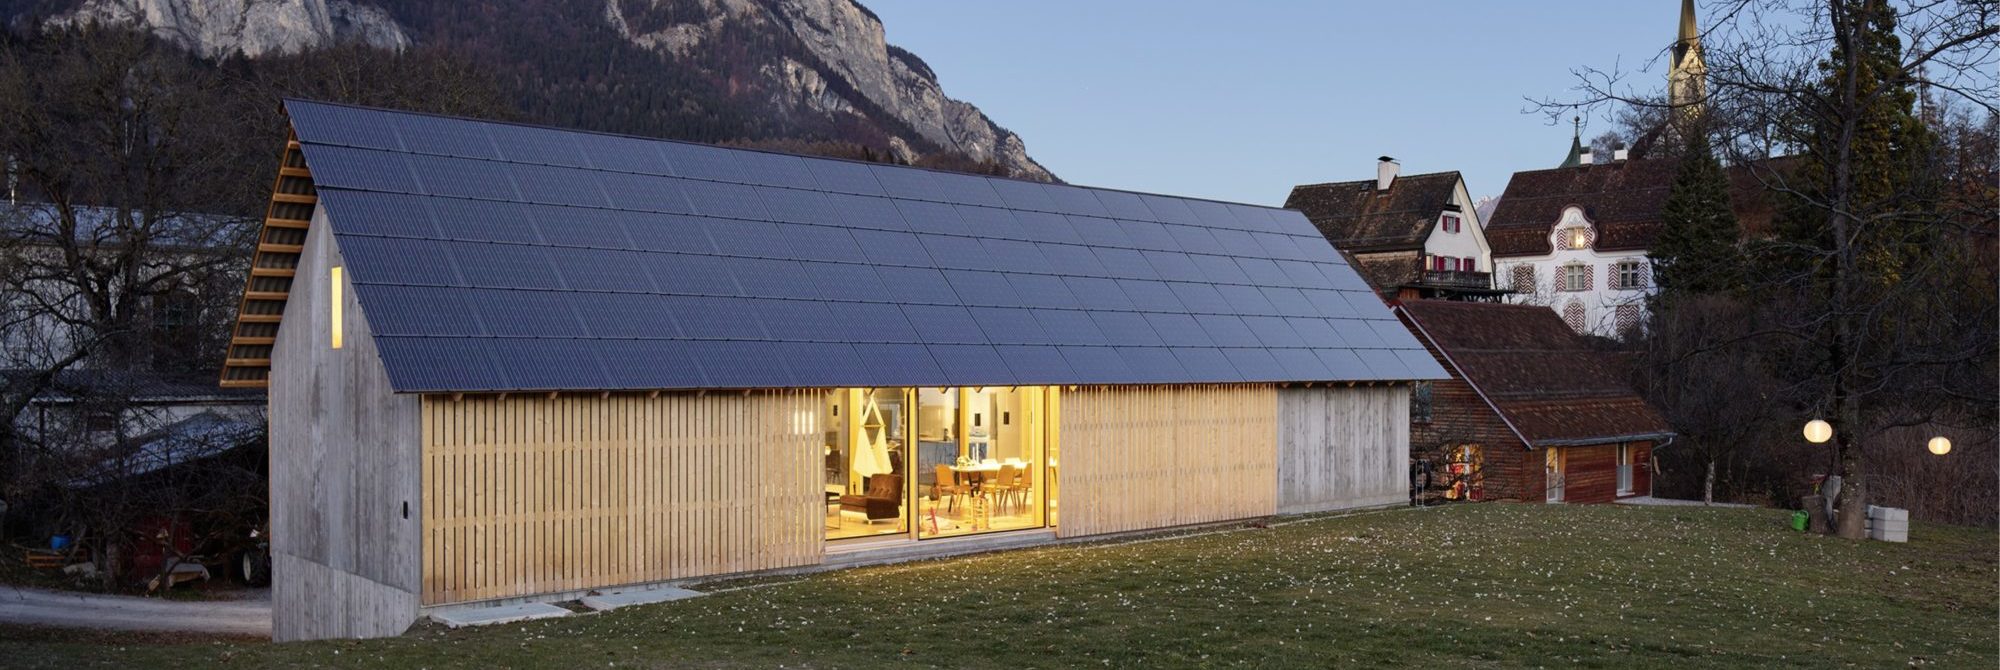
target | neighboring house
[
  {"x": 92, "y": 407},
  {"x": 1576, "y": 239},
  {"x": 1530, "y": 410},
  {"x": 1410, "y": 236},
  {"x": 92, "y": 401},
  {"x": 514, "y": 363}
]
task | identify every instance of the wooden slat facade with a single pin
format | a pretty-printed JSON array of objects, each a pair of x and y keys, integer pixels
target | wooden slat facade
[
  {"x": 528, "y": 494},
  {"x": 1140, "y": 457},
  {"x": 1342, "y": 447}
]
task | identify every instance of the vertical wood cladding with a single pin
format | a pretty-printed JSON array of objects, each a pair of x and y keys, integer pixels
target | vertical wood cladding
[
  {"x": 343, "y": 450},
  {"x": 1342, "y": 447},
  {"x": 1139, "y": 457},
  {"x": 527, "y": 494}
]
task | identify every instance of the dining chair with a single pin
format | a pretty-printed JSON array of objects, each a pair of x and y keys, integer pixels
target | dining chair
[
  {"x": 1003, "y": 483},
  {"x": 946, "y": 486}
]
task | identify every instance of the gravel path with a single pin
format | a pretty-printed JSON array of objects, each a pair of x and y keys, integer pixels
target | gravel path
[{"x": 40, "y": 607}]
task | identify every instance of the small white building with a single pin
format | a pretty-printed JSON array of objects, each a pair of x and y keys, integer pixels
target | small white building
[{"x": 1411, "y": 236}]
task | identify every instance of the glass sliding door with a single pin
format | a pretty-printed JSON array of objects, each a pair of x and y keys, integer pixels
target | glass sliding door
[
  {"x": 980, "y": 460},
  {"x": 865, "y": 452}
]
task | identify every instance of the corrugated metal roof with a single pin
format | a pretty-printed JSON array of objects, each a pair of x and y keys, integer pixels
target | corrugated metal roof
[{"x": 499, "y": 257}]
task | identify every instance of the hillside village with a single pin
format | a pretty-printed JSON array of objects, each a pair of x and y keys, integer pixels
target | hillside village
[{"x": 471, "y": 353}]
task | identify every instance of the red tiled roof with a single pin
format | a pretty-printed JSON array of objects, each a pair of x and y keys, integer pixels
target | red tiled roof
[
  {"x": 1623, "y": 200},
  {"x": 1354, "y": 216},
  {"x": 1536, "y": 372}
]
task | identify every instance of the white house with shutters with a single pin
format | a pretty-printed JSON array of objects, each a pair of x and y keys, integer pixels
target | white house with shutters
[{"x": 1597, "y": 291}]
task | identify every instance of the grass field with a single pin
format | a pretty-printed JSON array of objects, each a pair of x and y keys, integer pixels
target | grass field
[{"x": 1472, "y": 586}]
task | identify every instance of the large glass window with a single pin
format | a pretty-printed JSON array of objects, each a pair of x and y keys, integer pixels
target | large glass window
[
  {"x": 981, "y": 454},
  {"x": 980, "y": 459},
  {"x": 865, "y": 451}
]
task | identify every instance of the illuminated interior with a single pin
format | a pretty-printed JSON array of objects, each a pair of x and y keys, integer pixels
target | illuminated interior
[
  {"x": 938, "y": 462},
  {"x": 335, "y": 297}
]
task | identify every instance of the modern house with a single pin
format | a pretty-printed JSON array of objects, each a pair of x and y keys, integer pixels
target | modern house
[
  {"x": 1414, "y": 236},
  {"x": 509, "y": 362},
  {"x": 1530, "y": 412}
]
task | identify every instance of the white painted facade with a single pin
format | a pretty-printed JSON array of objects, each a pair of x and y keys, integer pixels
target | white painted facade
[
  {"x": 1604, "y": 302},
  {"x": 1469, "y": 241}
]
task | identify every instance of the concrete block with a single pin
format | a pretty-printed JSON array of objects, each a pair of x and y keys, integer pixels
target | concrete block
[
  {"x": 616, "y": 599},
  {"x": 460, "y": 617}
]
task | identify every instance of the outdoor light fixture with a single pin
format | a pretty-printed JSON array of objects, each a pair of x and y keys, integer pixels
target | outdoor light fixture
[
  {"x": 1940, "y": 446},
  {"x": 1818, "y": 431}
]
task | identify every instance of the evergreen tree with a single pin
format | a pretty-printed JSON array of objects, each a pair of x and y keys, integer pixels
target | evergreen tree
[{"x": 1697, "y": 251}]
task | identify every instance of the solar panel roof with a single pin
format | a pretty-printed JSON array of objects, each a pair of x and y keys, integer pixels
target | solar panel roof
[{"x": 499, "y": 257}]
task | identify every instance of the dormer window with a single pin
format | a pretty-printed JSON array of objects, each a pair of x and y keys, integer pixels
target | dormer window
[{"x": 1574, "y": 238}]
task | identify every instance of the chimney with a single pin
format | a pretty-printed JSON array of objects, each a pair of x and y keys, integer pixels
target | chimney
[
  {"x": 1584, "y": 159},
  {"x": 1385, "y": 172},
  {"x": 1620, "y": 155}
]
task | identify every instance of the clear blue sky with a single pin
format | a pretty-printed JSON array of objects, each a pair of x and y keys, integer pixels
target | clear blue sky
[{"x": 1242, "y": 100}]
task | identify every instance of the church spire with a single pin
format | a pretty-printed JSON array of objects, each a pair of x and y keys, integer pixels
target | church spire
[
  {"x": 1689, "y": 33},
  {"x": 1687, "y": 76}
]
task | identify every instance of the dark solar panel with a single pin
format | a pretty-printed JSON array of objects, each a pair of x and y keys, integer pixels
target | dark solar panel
[
  {"x": 1042, "y": 291},
  {"x": 944, "y": 324},
  {"x": 502, "y": 265},
  {"x": 1178, "y": 330},
  {"x": 580, "y": 226},
  {"x": 1153, "y": 364},
  {"x": 1036, "y": 365},
  {"x": 972, "y": 365},
  {"x": 1096, "y": 365},
  {"x": 932, "y": 217},
  {"x": 844, "y": 177},
  {"x": 687, "y": 274},
  {"x": 1068, "y": 326},
  {"x": 892, "y": 248},
  {"x": 500, "y": 257},
  {"x": 1207, "y": 364}
]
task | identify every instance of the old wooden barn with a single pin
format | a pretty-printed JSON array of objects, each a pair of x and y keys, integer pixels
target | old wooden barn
[
  {"x": 1531, "y": 412},
  {"x": 509, "y": 362}
]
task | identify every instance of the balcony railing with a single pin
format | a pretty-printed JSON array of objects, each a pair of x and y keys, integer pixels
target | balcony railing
[{"x": 1458, "y": 279}]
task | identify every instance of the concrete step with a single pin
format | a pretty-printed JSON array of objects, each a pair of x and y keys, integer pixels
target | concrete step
[
  {"x": 460, "y": 617},
  {"x": 615, "y": 599}
]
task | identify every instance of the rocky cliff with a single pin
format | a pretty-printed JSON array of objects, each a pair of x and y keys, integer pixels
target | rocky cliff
[
  {"x": 809, "y": 69},
  {"x": 253, "y": 28}
]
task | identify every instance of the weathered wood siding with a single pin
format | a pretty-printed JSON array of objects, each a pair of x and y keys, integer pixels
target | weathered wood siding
[
  {"x": 1342, "y": 448},
  {"x": 529, "y": 494},
  {"x": 1138, "y": 457},
  {"x": 1590, "y": 474},
  {"x": 343, "y": 452}
]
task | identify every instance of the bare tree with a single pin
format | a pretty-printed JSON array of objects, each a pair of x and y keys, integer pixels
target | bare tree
[{"x": 1888, "y": 315}]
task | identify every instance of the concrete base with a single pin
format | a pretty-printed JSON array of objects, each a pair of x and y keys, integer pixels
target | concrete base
[
  {"x": 460, "y": 617},
  {"x": 616, "y": 599}
]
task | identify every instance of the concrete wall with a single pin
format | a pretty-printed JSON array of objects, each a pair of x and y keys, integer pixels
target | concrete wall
[
  {"x": 345, "y": 496},
  {"x": 1342, "y": 447}
]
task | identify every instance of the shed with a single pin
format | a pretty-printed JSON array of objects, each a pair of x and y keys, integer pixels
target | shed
[
  {"x": 1531, "y": 412},
  {"x": 509, "y": 362}
]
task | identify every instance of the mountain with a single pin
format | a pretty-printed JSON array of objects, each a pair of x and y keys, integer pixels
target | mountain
[{"x": 758, "y": 72}]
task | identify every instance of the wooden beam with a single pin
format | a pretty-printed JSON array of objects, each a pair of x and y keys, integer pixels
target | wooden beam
[
  {"x": 245, "y": 383},
  {"x": 252, "y": 341},
  {"x": 273, "y": 272},
  {"x": 297, "y": 198},
  {"x": 248, "y": 362},
  {"x": 270, "y": 248},
  {"x": 275, "y": 222},
  {"x": 295, "y": 172},
  {"x": 259, "y": 318}
]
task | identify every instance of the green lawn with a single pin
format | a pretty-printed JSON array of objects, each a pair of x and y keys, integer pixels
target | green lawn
[{"x": 1471, "y": 586}]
